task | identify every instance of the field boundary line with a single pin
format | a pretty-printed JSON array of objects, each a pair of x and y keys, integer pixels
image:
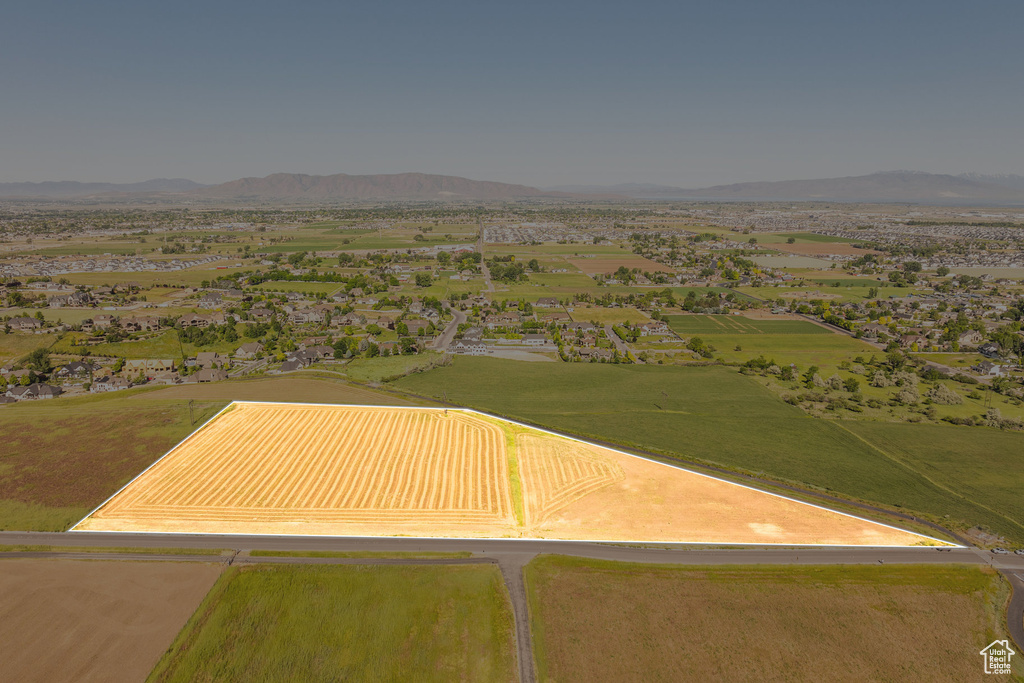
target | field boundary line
[
  {"x": 534, "y": 428},
  {"x": 152, "y": 465}
]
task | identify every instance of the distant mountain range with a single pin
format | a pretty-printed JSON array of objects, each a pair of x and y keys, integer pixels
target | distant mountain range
[
  {"x": 413, "y": 186},
  {"x": 893, "y": 186}
]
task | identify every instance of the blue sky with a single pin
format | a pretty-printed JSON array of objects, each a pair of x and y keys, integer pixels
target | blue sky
[{"x": 542, "y": 93}]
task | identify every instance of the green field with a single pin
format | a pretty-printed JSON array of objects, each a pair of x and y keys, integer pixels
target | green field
[
  {"x": 983, "y": 465},
  {"x": 165, "y": 345},
  {"x": 715, "y": 415},
  {"x": 607, "y": 621},
  {"x": 381, "y": 368},
  {"x": 16, "y": 344},
  {"x": 327, "y": 288},
  {"x": 690, "y": 325},
  {"x": 365, "y": 623},
  {"x": 737, "y": 339},
  {"x": 191, "y": 277}
]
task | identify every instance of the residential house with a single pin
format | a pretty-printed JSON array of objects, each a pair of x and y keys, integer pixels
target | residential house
[
  {"x": 207, "y": 375},
  {"x": 109, "y": 384},
  {"x": 655, "y": 327},
  {"x": 547, "y": 302},
  {"x": 33, "y": 392},
  {"x": 208, "y": 359},
  {"x": 989, "y": 369},
  {"x": 140, "y": 324},
  {"x": 263, "y": 315},
  {"x": 200, "y": 320},
  {"x": 25, "y": 324},
  {"x": 148, "y": 365},
  {"x": 102, "y": 321},
  {"x": 469, "y": 347},
  {"x": 248, "y": 351},
  {"x": 970, "y": 338},
  {"x": 535, "y": 340},
  {"x": 75, "y": 370},
  {"x": 321, "y": 351}
]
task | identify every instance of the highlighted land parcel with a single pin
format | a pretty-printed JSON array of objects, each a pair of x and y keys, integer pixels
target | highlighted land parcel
[{"x": 267, "y": 468}]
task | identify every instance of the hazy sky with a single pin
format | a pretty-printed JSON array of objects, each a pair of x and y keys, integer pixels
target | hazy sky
[{"x": 683, "y": 93}]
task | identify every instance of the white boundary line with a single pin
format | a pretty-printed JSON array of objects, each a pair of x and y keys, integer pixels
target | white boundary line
[
  {"x": 152, "y": 465},
  {"x": 538, "y": 429}
]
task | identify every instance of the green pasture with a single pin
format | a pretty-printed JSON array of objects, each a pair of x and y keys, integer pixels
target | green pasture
[
  {"x": 366, "y": 623},
  {"x": 327, "y": 288},
  {"x": 690, "y": 325}
]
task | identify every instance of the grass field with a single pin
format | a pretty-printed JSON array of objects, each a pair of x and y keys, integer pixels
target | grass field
[
  {"x": 693, "y": 325},
  {"x": 984, "y": 465},
  {"x": 16, "y": 345},
  {"x": 380, "y": 368},
  {"x": 603, "y": 316},
  {"x": 164, "y": 345},
  {"x": 348, "y": 623},
  {"x": 286, "y": 389},
  {"x": 718, "y": 416},
  {"x": 327, "y": 288},
  {"x": 605, "y": 621},
  {"x": 62, "y": 458}
]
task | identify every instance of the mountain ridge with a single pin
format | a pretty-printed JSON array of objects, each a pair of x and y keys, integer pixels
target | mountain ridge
[
  {"x": 74, "y": 188},
  {"x": 885, "y": 186}
]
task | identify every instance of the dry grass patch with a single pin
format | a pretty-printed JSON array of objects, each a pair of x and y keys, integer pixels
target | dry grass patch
[
  {"x": 624, "y": 622},
  {"x": 94, "y": 620}
]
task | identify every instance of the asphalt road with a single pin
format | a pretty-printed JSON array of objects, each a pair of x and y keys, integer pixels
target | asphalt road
[
  {"x": 509, "y": 548},
  {"x": 446, "y": 337},
  {"x": 1015, "y": 611}
]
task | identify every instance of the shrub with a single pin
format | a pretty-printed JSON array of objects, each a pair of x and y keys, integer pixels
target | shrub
[{"x": 945, "y": 396}]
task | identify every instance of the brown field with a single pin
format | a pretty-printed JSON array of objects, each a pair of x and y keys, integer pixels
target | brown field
[
  {"x": 601, "y": 264},
  {"x": 604, "y": 621},
  {"x": 283, "y": 389},
  {"x": 349, "y": 470},
  {"x": 93, "y": 620}
]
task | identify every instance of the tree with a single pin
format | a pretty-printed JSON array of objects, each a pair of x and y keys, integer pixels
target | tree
[
  {"x": 942, "y": 271},
  {"x": 852, "y": 385},
  {"x": 39, "y": 360},
  {"x": 791, "y": 240},
  {"x": 118, "y": 365},
  {"x": 443, "y": 258},
  {"x": 423, "y": 280}
]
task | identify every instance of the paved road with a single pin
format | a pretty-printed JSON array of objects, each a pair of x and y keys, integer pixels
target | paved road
[
  {"x": 445, "y": 339},
  {"x": 508, "y": 548},
  {"x": 1015, "y": 611},
  {"x": 483, "y": 262},
  {"x": 619, "y": 344}
]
